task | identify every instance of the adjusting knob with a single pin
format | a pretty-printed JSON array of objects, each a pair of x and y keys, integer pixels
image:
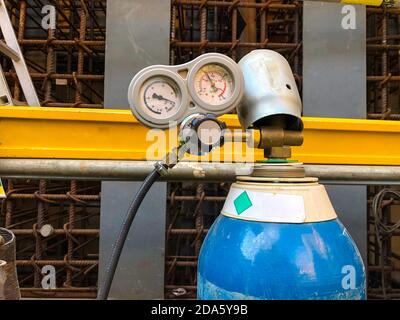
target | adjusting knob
[{"x": 201, "y": 133}]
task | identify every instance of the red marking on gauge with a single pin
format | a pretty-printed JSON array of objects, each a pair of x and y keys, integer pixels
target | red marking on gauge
[{"x": 223, "y": 90}]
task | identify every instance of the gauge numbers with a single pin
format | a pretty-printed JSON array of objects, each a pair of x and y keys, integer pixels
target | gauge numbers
[
  {"x": 214, "y": 84},
  {"x": 161, "y": 98}
]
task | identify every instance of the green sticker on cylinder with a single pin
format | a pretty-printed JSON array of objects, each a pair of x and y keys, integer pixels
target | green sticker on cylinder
[{"x": 242, "y": 203}]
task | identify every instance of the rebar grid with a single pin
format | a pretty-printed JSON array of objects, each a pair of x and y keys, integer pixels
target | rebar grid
[
  {"x": 383, "y": 79},
  {"x": 70, "y": 213},
  {"x": 384, "y": 255},
  {"x": 66, "y": 63},
  {"x": 235, "y": 28},
  {"x": 383, "y": 97},
  {"x": 67, "y": 67}
]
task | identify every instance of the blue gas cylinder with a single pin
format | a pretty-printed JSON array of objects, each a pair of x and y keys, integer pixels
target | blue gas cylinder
[{"x": 279, "y": 240}]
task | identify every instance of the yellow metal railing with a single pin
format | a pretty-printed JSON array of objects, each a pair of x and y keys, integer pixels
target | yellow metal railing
[{"x": 64, "y": 133}]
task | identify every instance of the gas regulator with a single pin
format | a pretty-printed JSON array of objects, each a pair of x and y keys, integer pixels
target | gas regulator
[{"x": 191, "y": 95}]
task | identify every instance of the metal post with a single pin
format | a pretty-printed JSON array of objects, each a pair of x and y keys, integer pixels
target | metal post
[
  {"x": 334, "y": 85},
  {"x": 137, "y": 36}
]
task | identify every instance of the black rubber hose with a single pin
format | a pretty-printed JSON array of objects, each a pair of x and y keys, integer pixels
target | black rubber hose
[{"x": 105, "y": 286}]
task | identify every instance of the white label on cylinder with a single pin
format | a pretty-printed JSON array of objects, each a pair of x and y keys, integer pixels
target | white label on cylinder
[{"x": 264, "y": 206}]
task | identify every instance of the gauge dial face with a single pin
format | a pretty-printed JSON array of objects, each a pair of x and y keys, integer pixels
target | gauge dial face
[
  {"x": 161, "y": 98},
  {"x": 214, "y": 84}
]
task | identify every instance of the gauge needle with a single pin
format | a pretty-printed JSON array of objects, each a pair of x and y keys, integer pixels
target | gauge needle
[
  {"x": 160, "y": 97},
  {"x": 209, "y": 78},
  {"x": 212, "y": 82}
]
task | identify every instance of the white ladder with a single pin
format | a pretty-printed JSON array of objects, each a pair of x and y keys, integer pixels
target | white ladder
[{"x": 11, "y": 49}]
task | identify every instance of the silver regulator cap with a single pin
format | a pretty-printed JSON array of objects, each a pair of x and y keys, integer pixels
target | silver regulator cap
[{"x": 270, "y": 91}]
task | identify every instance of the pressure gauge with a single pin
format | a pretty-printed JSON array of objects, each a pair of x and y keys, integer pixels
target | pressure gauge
[
  {"x": 158, "y": 97},
  {"x": 162, "y": 96},
  {"x": 216, "y": 83}
]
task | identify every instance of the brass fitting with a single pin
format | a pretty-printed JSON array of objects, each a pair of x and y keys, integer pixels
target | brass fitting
[
  {"x": 275, "y": 141},
  {"x": 278, "y": 137},
  {"x": 252, "y": 137}
]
